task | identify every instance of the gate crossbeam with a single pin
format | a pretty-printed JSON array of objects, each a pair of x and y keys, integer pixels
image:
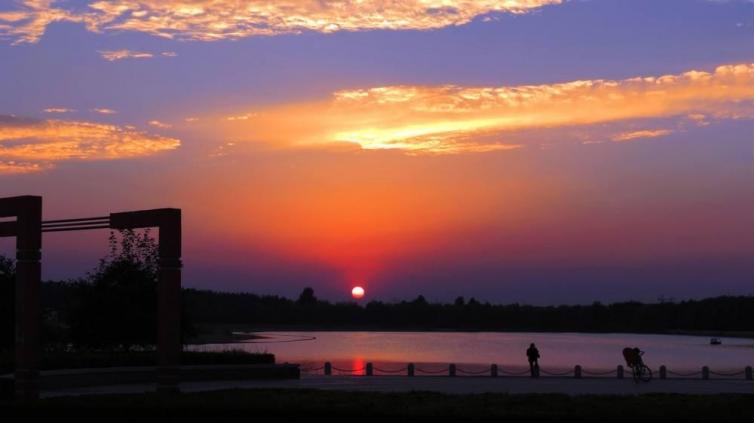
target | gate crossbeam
[
  {"x": 28, "y": 228},
  {"x": 81, "y": 224}
]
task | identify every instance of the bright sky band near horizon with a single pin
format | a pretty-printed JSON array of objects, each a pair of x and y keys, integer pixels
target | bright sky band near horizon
[{"x": 534, "y": 151}]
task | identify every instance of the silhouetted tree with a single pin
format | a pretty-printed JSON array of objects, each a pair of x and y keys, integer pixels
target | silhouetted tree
[
  {"x": 420, "y": 301},
  {"x": 307, "y": 297},
  {"x": 116, "y": 305}
]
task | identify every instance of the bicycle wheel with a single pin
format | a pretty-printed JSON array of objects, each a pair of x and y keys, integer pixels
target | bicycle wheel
[{"x": 645, "y": 373}]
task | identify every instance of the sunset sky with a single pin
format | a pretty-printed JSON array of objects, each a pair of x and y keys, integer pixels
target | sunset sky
[{"x": 538, "y": 151}]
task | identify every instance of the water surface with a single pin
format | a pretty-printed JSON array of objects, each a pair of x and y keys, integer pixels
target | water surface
[{"x": 558, "y": 350}]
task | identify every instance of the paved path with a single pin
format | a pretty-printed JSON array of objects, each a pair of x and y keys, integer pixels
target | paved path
[{"x": 448, "y": 385}]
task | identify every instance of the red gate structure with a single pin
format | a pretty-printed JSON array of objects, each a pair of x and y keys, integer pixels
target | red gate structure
[{"x": 28, "y": 228}]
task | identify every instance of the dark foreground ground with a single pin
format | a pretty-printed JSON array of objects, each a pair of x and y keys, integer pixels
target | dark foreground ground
[{"x": 360, "y": 406}]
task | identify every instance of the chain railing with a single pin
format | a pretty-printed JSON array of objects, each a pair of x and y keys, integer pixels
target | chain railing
[
  {"x": 685, "y": 374},
  {"x": 473, "y": 372},
  {"x": 515, "y": 373},
  {"x": 392, "y": 371},
  {"x": 599, "y": 373},
  {"x": 433, "y": 372},
  {"x": 554, "y": 373},
  {"x": 494, "y": 370}
]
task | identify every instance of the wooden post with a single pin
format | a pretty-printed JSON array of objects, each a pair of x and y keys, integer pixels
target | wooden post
[
  {"x": 168, "y": 222},
  {"x": 410, "y": 369},
  {"x": 328, "y": 368},
  {"x": 663, "y": 372},
  {"x": 493, "y": 370},
  {"x": 705, "y": 372},
  {"x": 452, "y": 370},
  {"x": 619, "y": 371},
  {"x": 748, "y": 373},
  {"x": 28, "y": 232},
  {"x": 370, "y": 370},
  {"x": 169, "y": 302},
  {"x": 577, "y": 372}
]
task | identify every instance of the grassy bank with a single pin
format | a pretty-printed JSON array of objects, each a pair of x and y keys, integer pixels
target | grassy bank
[
  {"x": 97, "y": 359},
  {"x": 424, "y": 406}
]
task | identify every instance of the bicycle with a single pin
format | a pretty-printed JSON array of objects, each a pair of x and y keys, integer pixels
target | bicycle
[{"x": 642, "y": 372}]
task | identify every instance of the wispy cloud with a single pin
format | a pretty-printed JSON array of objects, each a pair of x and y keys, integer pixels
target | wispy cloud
[
  {"x": 645, "y": 133},
  {"x": 12, "y": 167},
  {"x": 158, "y": 124},
  {"x": 245, "y": 116},
  {"x": 104, "y": 111},
  {"x": 211, "y": 20},
  {"x": 454, "y": 119},
  {"x": 59, "y": 110},
  {"x": 113, "y": 55},
  {"x": 35, "y": 144}
]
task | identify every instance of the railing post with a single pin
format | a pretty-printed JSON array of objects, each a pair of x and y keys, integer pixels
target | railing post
[
  {"x": 577, "y": 372},
  {"x": 452, "y": 370},
  {"x": 748, "y": 373},
  {"x": 410, "y": 369},
  {"x": 705, "y": 372},
  {"x": 328, "y": 368},
  {"x": 370, "y": 371},
  {"x": 619, "y": 371},
  {"x": 493, "y": 370},
  {"x": 663, "y": 372}
]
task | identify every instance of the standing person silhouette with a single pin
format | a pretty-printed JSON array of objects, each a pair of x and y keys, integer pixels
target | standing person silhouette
[{"x": 532, "y": 353}]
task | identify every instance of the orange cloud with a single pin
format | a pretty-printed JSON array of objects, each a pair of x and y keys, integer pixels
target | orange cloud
[
  {"x": 29, "y": 22},
  {"x": 12, "y": 167},
  {"x": 455, "y": 119},
  {"x": 211, "y": 20},
  {"x": 48, "y": 141}
]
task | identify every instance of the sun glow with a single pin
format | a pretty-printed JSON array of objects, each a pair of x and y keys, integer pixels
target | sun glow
[{"x": 358, "y": 292}]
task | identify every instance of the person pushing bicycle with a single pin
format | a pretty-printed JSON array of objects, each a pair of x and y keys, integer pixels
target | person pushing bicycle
[
  {"x": 634, "y": 360},
  {"x": 633, "y": 356}
]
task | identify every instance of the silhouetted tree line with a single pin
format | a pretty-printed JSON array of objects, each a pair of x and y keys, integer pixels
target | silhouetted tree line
[
  {"x": 714, "y": 314},
  {"x": 112, "y": 307},
  {"x": 115, "y": 307}
]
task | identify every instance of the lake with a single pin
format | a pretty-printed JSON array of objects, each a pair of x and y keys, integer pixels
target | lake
[{"x": 392, "y": 350}]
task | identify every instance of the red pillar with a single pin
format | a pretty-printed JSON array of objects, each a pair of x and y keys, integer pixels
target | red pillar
[
  {"x": 169, "y": 307},
  {"x": 28, "y": 274}
]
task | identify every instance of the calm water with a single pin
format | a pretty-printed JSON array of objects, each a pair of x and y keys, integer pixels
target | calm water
[{"x": 558, "y": 350}]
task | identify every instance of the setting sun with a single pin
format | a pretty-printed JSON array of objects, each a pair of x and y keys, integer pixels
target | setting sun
[{"x": 357, "y": 292}]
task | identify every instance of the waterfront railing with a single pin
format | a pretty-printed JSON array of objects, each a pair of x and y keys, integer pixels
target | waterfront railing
[{"x": 495, "y": 370}]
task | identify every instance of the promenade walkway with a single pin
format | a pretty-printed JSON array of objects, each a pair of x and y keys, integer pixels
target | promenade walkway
[{"x": 448, "y": 385}]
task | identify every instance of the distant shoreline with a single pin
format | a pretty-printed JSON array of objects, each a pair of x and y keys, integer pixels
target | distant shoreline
[{"x": 238, "y": 333}]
